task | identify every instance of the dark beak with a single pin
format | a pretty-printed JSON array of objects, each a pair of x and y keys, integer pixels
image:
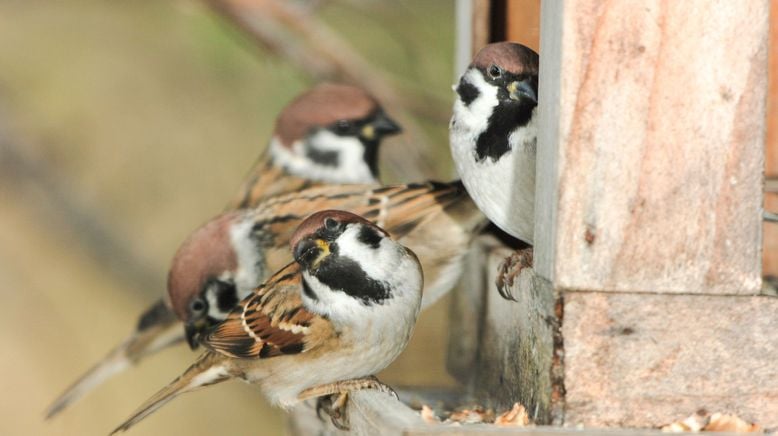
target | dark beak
[
  {"x": 192, "y": 334},
  {"x": 382, "y": 126},
  {"x": 523, "y": 89},
  {"x": 309, "y": 252}
]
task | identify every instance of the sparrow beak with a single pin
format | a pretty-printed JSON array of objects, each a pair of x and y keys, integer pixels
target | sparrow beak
[
  {"x": 310, "y": 252},
  {"x": 517, "y": 90},
  {"x": 192, "y": 333},
  {"x": 381, "y": 126}
]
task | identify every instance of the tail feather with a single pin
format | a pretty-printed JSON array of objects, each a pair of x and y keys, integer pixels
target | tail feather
[
  {"x": 209, "y": 369},
  {"x": 150, "y": 336}
]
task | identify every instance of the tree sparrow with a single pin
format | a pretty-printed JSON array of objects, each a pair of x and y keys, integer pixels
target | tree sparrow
[
  {"x": 224, "y": 260},
  {"x": 493, "y": 137},
  {"x": 329, "y": 134},
  {"x": 324, "y": 324}
]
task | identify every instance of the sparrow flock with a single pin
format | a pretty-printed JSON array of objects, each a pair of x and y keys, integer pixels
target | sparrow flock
[{"x": 310, "y": 281}]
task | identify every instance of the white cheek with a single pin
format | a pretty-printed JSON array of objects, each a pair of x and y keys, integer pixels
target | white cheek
[
  {"x": 351, "y": 167},
  {"x": 250, "y": 273},
  {"x": 473, "y": 119}
]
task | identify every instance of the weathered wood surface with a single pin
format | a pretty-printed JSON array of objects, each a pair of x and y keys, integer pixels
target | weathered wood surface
[
  {"x": 374, "y": 413},
  {"x": 770, "y": 242},
  {"x": 636, "y": 360},
  {"x": 651, "y": 140},
  {"x": 503, "y": 351}
]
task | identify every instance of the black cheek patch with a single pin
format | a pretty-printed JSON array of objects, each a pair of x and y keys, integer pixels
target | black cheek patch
[
  {"x": 226, "y": 296},
  {"x": 369, "y": 236},
  {"x": 325, "y": 158},
  {"x": 467, "y": 92}
]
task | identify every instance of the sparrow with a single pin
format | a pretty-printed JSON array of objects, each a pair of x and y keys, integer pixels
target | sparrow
[
  {"x": 323, "y": 324},
  {"x": 223, "y": 260},
  {"x": 493, "y": 139},
  {"x": 327, "y": 135}
]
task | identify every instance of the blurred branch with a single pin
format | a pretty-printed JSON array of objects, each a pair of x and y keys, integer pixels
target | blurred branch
[
  {"x": 293, "y": 33},
  {"x": 48, "y": 193}
]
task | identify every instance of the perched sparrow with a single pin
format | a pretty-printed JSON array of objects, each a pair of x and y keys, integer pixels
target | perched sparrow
[
  {"x": 324, "y": 324},
  {"x": 224, "y": 260},
  {"x": 327, "y": 135},
  {"x": 493, "y": 136}
]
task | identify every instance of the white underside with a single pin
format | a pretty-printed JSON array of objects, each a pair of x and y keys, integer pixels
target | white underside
[{"x": 504, "y": 190}]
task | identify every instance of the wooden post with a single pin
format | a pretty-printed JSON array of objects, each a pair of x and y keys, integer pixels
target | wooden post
[
  {"x": 770, "y": 253},
  {"x": 649, "y": 208}
]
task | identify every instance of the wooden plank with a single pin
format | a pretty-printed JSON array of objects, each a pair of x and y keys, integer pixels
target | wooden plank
[
  {"x": 466, "y": 313},
  {"x": 770, "y": 241},
  {"x": 504, "y": 350},
  {"x": 637, "y": 360},
  {"x": 651, "y": 145}
]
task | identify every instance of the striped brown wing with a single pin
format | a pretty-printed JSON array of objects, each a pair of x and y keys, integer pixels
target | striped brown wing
[
  {"x": 270, "y": 322},
  {"x": 398, "y": 209}
]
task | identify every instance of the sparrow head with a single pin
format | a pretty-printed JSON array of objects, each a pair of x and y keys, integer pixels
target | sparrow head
[
  {"x": 350, "y": 264},
  {"x": 497, "y": 94},
  {"x": 331, "y": 134},
  {"x": 212, "y": 271}
]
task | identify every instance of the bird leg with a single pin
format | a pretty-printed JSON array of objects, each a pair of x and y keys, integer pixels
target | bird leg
[
  {"x": 339, "y": 390},
  {"x": 510, "y": 268}
]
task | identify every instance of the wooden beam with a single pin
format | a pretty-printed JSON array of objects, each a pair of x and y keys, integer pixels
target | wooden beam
[{"x": 651, "y": 145}]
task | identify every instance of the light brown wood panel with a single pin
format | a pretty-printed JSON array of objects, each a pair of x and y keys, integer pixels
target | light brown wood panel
[
  {"x": 635, "y": 360},
  {"x": 770, "y": 254},
  {"x": 651, "y": 145}
]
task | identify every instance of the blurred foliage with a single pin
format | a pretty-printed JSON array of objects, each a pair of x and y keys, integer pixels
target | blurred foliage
[{"x": 147, "y": 115}]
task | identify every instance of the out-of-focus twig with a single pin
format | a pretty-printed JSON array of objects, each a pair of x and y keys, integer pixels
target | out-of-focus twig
[
  {"x": 294, "y": 34},
  {"x": 48, "y": 193}
]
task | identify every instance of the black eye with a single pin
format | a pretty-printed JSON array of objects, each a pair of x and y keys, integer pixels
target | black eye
[
  {"x": 495, "y": 72},
  {"x": 198, "y": 306},
  {"x": 343, "y": 126},
  {"x": 331, "y": 224}
]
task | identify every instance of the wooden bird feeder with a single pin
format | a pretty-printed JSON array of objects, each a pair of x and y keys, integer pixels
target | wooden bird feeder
[{"x": 646, "y": 301}]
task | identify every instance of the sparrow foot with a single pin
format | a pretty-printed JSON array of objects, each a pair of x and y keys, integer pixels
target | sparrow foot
[
  {"x": 510, "y": 268},
  {"x": 336, "y": 409},
  {"x": 339, "y": 390}
]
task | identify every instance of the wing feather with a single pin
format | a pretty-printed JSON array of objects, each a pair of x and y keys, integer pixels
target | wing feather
[{"x": 270, "y": 322}]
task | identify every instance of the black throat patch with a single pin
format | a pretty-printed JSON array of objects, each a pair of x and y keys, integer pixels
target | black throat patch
[
  {"x": 342, "y": 274},
  {"x": 493, "y": 142}
]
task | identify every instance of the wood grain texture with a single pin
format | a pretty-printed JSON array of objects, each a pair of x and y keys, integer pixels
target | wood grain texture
[
  {"x": 503, "y": 351},
  {"x": 636, "y": 360},
  {"x": 770, "y": 241},
  {"x": 659, "y": 145},
  {"x": 466, "y": 313}
]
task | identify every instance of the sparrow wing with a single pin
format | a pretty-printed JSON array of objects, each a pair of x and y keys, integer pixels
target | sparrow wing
[
  {"x": 270, "y": 322},
  {"x": 398, "y": 209}
]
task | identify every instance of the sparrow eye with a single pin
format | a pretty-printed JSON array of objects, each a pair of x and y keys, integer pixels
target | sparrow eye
[
  {"x": 331, "y": 224},
  {"x": 343, "y": 126},
  {"x": 495, "y": 72},
  {"x": 198, "y": 306}
]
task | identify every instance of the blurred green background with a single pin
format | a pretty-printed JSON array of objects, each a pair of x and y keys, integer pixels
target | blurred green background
[{"x": 123, "y": 126}]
